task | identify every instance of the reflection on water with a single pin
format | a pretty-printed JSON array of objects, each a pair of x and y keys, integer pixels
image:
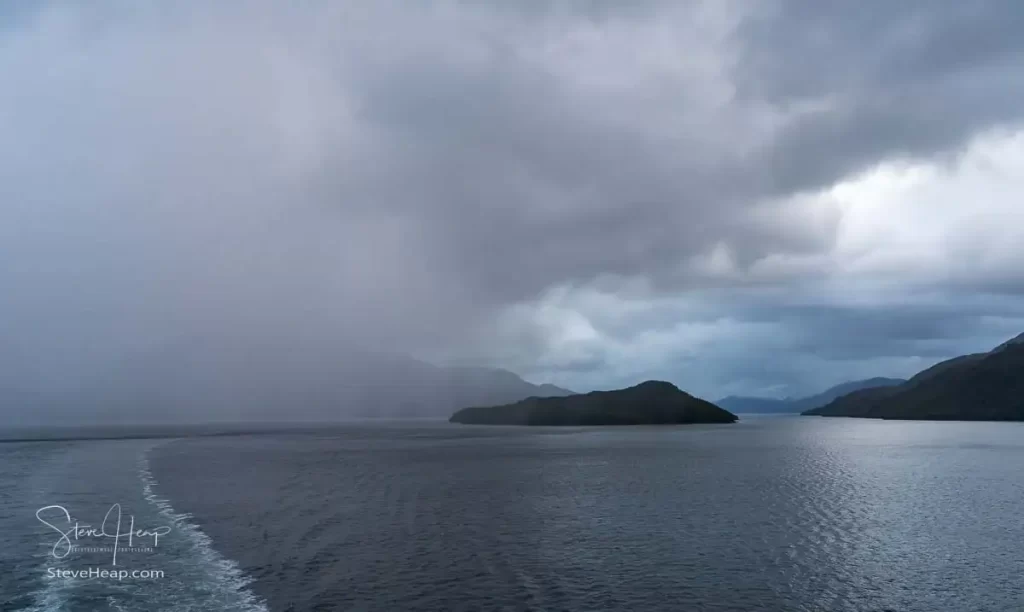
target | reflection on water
[
  {"x": 774, "y": 513},
  {"x": 769, "y": 514}
]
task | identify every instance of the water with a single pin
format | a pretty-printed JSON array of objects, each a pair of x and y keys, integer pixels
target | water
[
  {"x": 87, "y": 478},
  {"x": 773, "y": 513}
]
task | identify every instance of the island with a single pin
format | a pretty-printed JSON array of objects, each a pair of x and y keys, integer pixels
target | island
[
  {"x": 977, "y": 387},
  {"x": 649, "y": 403}
]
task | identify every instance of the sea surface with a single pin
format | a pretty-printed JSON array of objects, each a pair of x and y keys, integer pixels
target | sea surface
[{"x": 773, "y": 513}]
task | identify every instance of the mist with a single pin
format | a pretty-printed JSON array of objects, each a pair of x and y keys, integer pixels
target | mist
[{"x": 225, "y": 206}]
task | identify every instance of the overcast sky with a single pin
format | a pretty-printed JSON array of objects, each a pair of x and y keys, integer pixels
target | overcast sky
[{"x": 763, "y": 197}]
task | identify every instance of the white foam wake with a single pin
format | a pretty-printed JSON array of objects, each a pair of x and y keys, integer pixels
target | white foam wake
[{"x": 225, "y": 574}]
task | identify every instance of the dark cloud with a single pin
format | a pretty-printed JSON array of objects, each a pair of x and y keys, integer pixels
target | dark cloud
[
  {"x": 874, "y": 80},
  {"x": 405, "y": 176}
]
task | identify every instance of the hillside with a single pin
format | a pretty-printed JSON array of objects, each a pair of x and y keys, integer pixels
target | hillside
[{"x": 977, "y": 387}]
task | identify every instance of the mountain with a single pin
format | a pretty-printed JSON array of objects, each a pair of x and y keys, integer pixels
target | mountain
[
  {"x": 764, "y": 405},
  {"x": 756, "y": 405},
  {"x": 977, "y": 387},
  {"x": 251, "y": 379},
  {"x": 473, "y": 386},
  {"x": 649, "y": 403},
  {"x": 1011, "y": 342}
]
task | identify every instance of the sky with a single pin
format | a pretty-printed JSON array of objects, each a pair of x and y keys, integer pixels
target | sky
[{"x": 758, "y": 198}]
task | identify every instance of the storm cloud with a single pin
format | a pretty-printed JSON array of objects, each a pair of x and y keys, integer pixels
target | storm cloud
[{"x": 739, "y": 197}]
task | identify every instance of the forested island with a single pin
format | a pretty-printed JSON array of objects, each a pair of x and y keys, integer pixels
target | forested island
[{"x": 649, "y": 403}]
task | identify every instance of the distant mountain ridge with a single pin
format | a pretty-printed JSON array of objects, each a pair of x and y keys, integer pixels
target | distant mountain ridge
[
  {"x": 241, "y": 380},
  {"x": 763, "y": 405},
  {"x": 976, "y": 387}
]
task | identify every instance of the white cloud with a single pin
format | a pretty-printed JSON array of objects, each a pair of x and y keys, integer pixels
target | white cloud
[
  {"x": 930, "y": 221},
  {"x": 904, "y": 230}
]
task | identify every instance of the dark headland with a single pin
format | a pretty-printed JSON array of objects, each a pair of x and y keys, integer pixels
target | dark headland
[
  {"x": 978, "y": 387},
  {"x": 649, "y": 403}
]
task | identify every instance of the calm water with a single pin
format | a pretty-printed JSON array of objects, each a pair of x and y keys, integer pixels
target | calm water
[{"x": 774, "y": 513}]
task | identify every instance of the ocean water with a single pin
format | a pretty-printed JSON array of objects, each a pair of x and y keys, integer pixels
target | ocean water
[{"x": 772, "y": 513}]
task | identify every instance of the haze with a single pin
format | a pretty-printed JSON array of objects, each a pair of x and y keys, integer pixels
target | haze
[{"x": 752, "y": 198}]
